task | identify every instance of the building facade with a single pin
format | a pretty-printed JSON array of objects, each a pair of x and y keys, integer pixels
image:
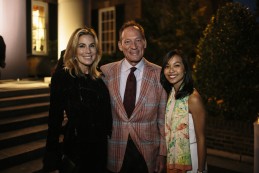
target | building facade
[{"x": 36, "y": 31}]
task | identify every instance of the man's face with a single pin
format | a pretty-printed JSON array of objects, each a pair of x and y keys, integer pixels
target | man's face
[{"x": 132, "y": 45}]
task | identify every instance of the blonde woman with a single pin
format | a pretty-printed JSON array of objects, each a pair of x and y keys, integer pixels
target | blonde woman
[{"x": 79, "y": 90}]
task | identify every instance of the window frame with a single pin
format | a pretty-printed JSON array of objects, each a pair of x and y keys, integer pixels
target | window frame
[
  {"x": 42, "y": 31},
  {"x": 107, "y": 29}
]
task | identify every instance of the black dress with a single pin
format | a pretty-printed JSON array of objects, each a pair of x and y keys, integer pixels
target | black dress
[{"x": 87, "y": 106}]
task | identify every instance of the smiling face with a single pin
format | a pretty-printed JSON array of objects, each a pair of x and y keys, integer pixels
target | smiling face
[
  {"x": 86, "y": 52},
  {"x": 174, "y": 71},
  {"x": 132, "y": 44}
]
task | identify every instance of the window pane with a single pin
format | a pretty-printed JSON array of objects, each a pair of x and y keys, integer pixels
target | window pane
[
  {"x": 39, "y": 31},
  {"x": 107, "y": 30}
]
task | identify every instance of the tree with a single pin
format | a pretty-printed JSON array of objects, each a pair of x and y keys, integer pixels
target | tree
[
  {"x": 172, "y": 24},
  {"x": 226, "y": 65}
]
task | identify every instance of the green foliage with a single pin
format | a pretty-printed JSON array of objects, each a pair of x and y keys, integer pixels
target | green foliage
[
  {"x": 226, "y": 65},
  {"x": 172, "y": 24}
]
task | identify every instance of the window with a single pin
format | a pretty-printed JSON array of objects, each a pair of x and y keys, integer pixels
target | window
[
  {"x": 107, "y": 30},
  {"x": 39, "y": 29}
]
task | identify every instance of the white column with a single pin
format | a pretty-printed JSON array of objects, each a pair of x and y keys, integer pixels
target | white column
[
  {"x": 13, "y": 30},
  {"x": 70, "y": 17},
  {"x": 256, "y": 146}
]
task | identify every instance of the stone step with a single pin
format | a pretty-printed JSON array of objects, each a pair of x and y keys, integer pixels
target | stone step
[
  {"x": 25, "y": 99},
  {"x": 22, "y": 92},
  {"x": 14, "y": 123},
  {"x": 33, "y": 166},
  {"x": 22, "y": 136},
  {"x": 24, "y": 109},
  {"x": 15, "y": 111},
  {"x": 21, "y": 153}
]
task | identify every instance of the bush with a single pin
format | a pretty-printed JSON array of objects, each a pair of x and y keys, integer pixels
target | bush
[{"x": 226, "y": 67}]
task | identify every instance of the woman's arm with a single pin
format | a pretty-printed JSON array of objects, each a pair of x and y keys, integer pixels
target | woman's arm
[{"x": 198, "y": 112}]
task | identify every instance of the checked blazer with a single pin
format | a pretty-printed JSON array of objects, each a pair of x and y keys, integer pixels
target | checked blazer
[{"x": 146, "y": 124}]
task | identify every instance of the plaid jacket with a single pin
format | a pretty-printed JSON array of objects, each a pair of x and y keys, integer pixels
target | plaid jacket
[{"x": 146, "y": 124}]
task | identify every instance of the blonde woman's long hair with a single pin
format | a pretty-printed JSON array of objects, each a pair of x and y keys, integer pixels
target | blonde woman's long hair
[{"x": 69, "y": 59}]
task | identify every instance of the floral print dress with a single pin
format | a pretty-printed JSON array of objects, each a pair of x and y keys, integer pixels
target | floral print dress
[{"x": 177, "y": 133}]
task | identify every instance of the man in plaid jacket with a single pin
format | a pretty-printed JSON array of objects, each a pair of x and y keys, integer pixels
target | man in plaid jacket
[{"x": 137, "y": 143}]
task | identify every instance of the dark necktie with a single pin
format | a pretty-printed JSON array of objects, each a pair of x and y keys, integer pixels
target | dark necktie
[{"x": 130, "y": 92}]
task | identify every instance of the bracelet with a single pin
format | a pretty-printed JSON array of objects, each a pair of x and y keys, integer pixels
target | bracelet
[{"x": 204, "y": 171}]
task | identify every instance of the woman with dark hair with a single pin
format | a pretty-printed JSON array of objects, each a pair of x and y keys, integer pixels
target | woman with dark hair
[
  {"x": 78, "y": 90},
  {"x": 185, "y": 117}
]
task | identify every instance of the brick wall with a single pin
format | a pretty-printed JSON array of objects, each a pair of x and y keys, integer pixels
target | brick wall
[{"x": 230, "y": 136}]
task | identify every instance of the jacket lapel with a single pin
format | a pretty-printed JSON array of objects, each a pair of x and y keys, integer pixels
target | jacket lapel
[
  {"x": 116, "y": 89},
  {"x": 147, "y": 74}
]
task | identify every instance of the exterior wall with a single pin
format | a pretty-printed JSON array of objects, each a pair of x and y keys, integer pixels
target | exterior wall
[
  {"x": 132, "y": 7},
  {"x": 68, "y": 20},
  {"x": 42, "y": 65},
  {"x": 133, "y": 10},
  {"x": 13, "y": 30}
]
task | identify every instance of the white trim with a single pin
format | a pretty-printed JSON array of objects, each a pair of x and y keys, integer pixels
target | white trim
[{"x": 107, "y": 29}]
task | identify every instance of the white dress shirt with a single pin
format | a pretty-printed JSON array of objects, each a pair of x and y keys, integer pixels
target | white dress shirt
[{"x": 125, "y": 70}]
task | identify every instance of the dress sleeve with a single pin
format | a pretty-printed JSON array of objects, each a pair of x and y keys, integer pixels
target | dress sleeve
[
  {"x": 56, "y": 111},
  {"x": 107, "y": 109}
]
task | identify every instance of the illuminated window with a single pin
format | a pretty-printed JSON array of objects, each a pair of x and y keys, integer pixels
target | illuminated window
[
  {"x": 107, "y": 30},
  {"x": 39, "y": 29}
]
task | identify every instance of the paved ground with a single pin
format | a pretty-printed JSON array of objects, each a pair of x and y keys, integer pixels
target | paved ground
[
  {"x": 215, "y": 165},
  {"x": 35, "y": 165},
  {"x": 224, "y": 165}
]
